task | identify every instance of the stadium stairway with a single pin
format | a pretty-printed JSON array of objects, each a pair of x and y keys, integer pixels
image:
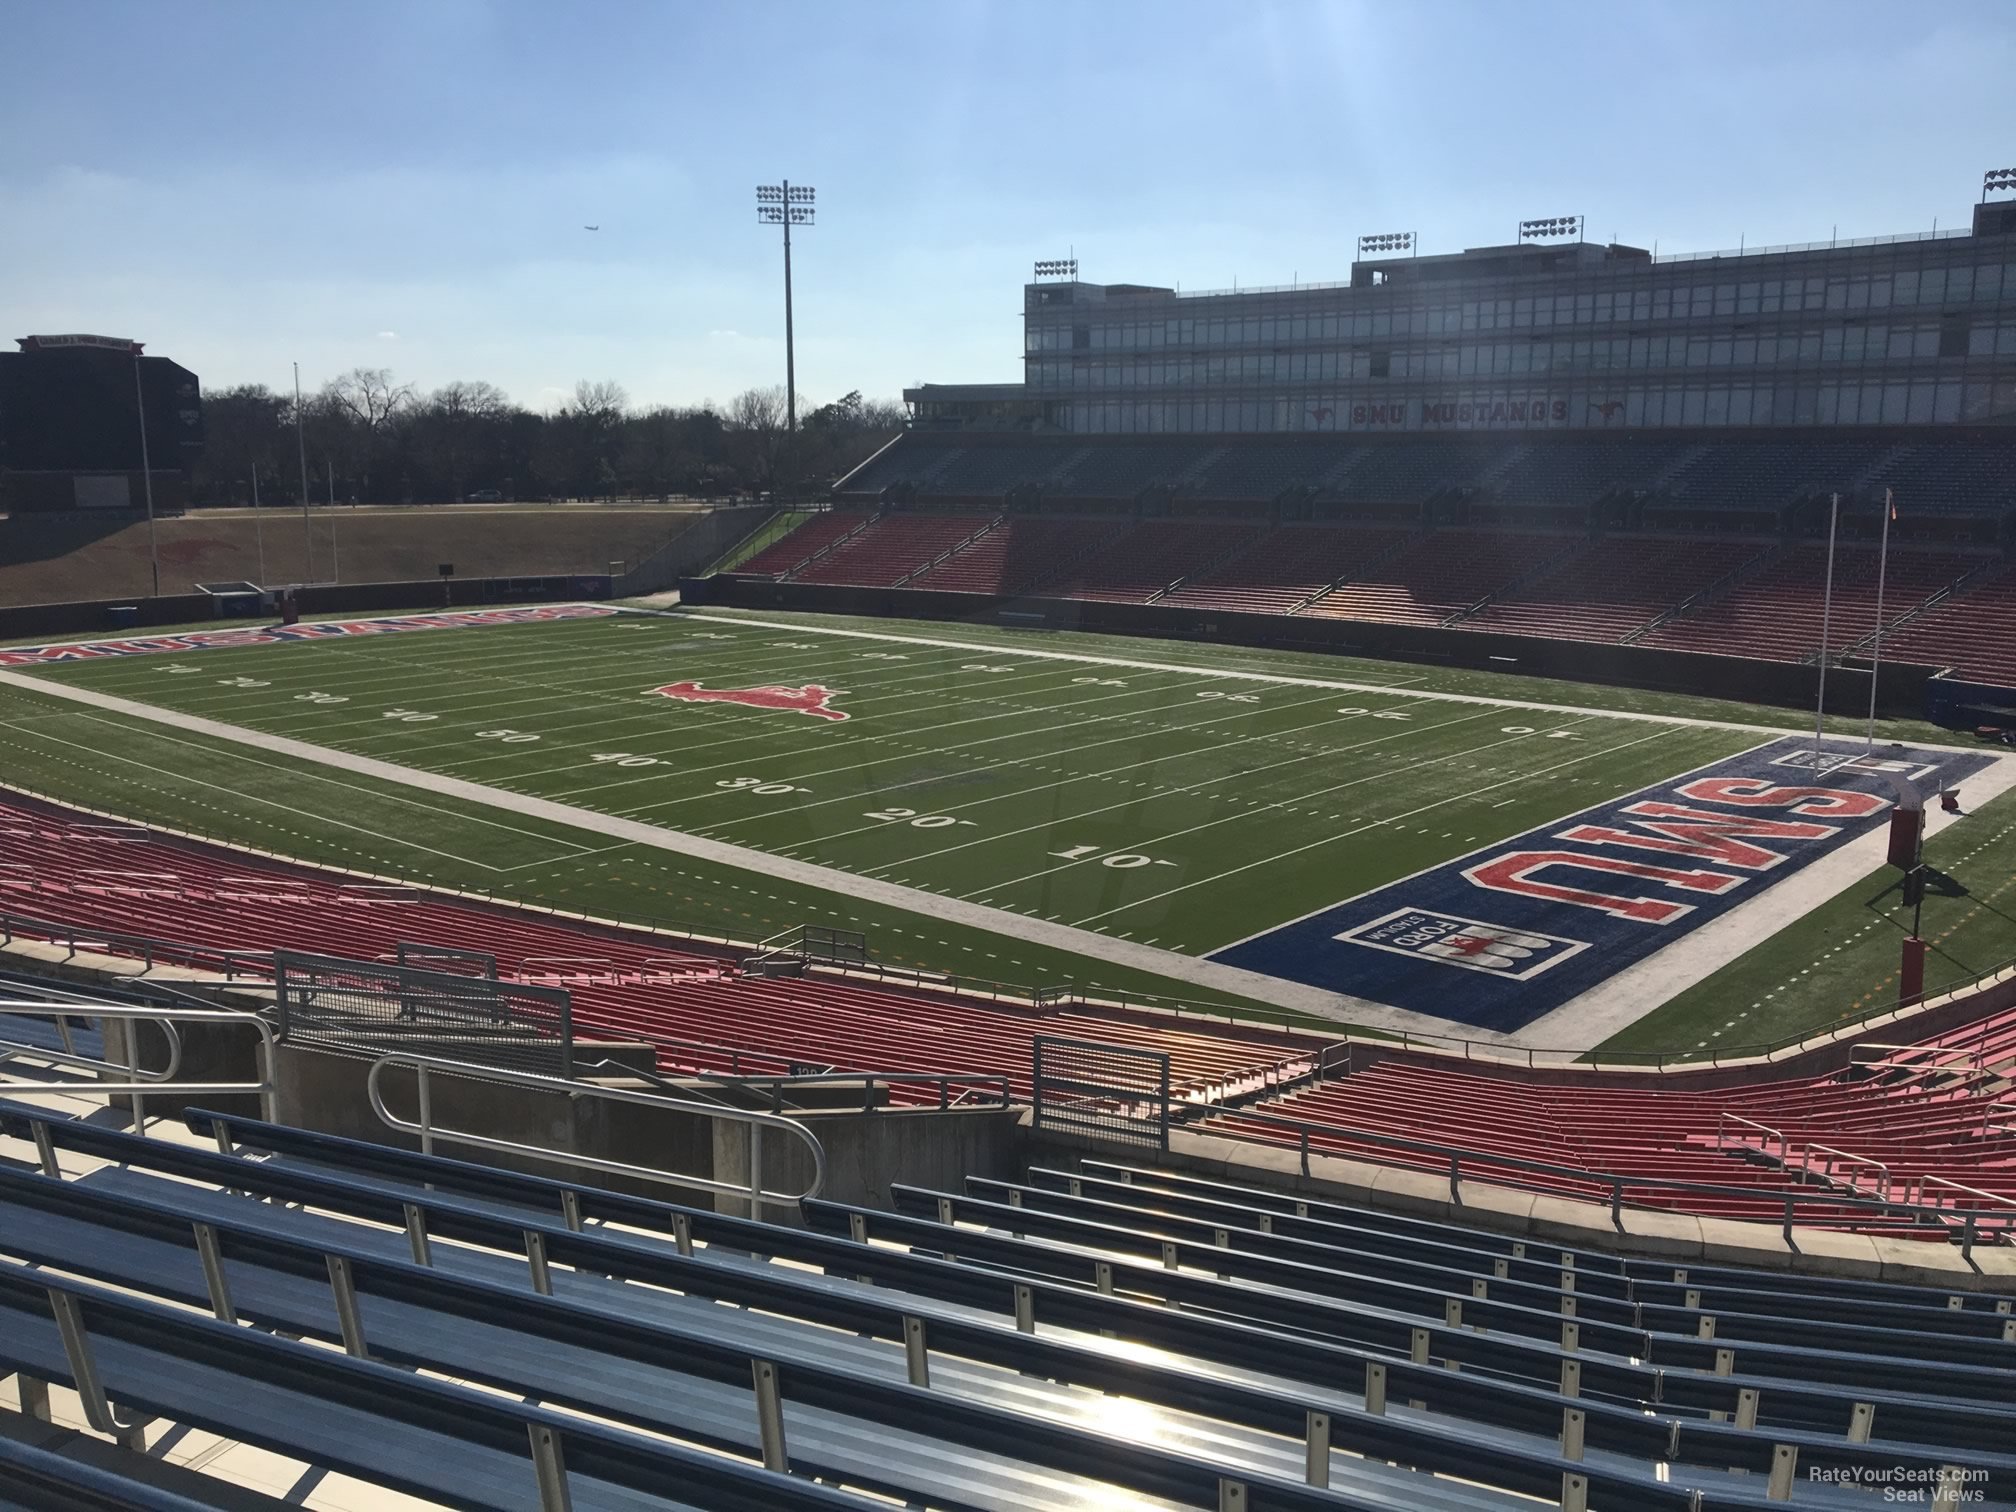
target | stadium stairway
[{"x": 969, "y": 1351}]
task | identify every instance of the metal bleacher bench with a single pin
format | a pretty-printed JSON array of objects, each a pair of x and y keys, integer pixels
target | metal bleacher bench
[{"x": 917, "y": 1371}]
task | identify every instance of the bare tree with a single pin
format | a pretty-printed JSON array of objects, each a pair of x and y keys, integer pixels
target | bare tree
[
  {"x": 369, "y": 397},
  {"x": 600, "y": 403},
  {"x": 449, "y": 428},
  {"x": 756, "y": 416}
]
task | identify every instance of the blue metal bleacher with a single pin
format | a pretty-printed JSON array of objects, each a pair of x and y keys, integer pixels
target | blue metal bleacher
[{"x": 971, "y": 1350}]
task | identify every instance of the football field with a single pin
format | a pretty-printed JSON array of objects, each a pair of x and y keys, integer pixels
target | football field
[{"x": 1202, "y": 811}]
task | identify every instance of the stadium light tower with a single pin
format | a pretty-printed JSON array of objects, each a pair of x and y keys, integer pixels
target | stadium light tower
[
  {"x": 786, "y": 204},
  {"x": 1998, "y": 179},
  {"x": 1550, "y": 227},
  {"x": 1389, "y": 241}
]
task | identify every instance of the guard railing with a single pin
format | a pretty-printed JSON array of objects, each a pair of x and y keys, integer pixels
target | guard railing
[
  {"x": 751, "y": 1191},
  {"x": 139, "y": 1083},
  {"x": 1967, "y": 1225}
]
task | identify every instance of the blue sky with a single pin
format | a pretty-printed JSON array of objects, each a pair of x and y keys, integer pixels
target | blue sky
[{"x": 244, "y": 183}]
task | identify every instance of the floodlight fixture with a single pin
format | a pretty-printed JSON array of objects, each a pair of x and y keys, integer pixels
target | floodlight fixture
[
  {"x": 1389, "y": 241},
  {"x": 1057, "y": 267},
  {"x": 1548, "y": 227},
  {"x": 1998, "y": 180}
]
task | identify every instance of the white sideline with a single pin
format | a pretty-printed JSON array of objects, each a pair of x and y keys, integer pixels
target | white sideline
[
  {"x": 1092, "y": 659},
  {"x": 1167, "y": 963}
]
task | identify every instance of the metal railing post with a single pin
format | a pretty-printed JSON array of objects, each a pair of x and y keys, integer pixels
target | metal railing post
[
  {"x": 549, "y": 1465},
  {"x": 916, "y": 1353},
  {"x": 1316, "y": 1448},
  {"x": 770, "y": 1417},
  {"x": 84, "y": 1375},
  {"x": 349, "y": 1319},
  {"x": 213, "y": 1273}
]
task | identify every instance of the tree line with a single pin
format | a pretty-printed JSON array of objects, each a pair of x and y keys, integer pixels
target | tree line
[{"x": 376, "y": 441}]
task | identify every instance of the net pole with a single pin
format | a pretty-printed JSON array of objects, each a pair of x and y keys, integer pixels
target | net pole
[
  {"x": 1826, "y": 623},
  {"x": 1876, "y": 650}
]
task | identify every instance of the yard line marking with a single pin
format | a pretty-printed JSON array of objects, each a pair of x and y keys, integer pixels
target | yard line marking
[
  {"x": 854, "y": 766},
  {"x": 274, "y": 766},
  {"x": 1165, "y": 963},
  {"x": 1161, "y": 792},
  {"x": 1375, "y": 824},
  {"x": 1382, "y": 775},
  {"x": 285, "y": 808},
  {"x": 1094, "y": 660}
]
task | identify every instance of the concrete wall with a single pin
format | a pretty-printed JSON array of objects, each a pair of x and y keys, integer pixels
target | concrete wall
[
  {"x": 710, "y": 535},
  {"x": 865, "y": 1152}
]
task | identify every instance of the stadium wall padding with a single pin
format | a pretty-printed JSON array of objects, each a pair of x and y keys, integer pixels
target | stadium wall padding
[{"x": 1782, "y": 684}]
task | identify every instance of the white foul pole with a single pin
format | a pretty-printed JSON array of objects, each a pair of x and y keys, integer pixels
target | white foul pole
[
  {"x": 301, "y": 451},
  {"x": 1876, "y": 649},
  {"x": 258, "y": 525},
  {"x": 1826, "y": 626},
  {"x": 146, "y": 473}
]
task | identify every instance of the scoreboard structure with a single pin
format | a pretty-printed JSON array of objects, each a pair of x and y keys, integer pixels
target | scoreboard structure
[{"x": 71, "y": 425}]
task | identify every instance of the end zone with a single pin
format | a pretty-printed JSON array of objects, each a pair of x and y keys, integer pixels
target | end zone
[{"x": 1496, "y": 939}]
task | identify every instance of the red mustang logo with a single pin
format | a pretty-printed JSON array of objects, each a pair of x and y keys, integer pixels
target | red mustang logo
[{"x": 810, "y": 699}]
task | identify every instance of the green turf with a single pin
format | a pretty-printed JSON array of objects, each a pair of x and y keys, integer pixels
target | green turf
[
  {"x": 1184, "y": 806},
  {"x": 1176, "y": 808},
  {"x": 1507, "y": 684},
  {"x": 223, "y": 791},
  {"x": 1840, "y": 963}
]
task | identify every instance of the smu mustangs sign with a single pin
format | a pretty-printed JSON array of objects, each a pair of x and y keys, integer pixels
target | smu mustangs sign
[{"x": 1501, "y": 936}]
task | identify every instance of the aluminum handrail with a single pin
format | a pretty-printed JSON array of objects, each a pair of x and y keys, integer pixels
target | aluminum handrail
[
  {"x": 1505, "y": 1169},
  {"x": 750, "y": 1191},
  {"x": 65, "y": 1009},
  {"x": 139, "y": 1085},
  {"x": 1940, "y": 1181},
  {"x": 1806, "y": 1164},
  {"x": 1751, "y": 1123}
]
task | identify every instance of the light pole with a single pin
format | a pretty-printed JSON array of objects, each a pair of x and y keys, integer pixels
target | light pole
[
  {"x": 786, "y": 204},
  {"x": 146, "y": 471}
]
